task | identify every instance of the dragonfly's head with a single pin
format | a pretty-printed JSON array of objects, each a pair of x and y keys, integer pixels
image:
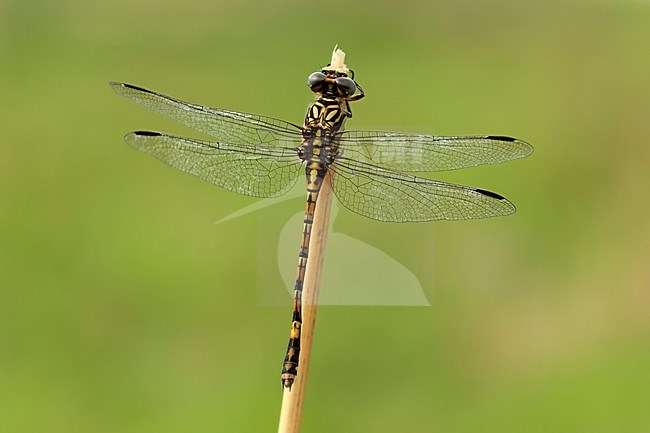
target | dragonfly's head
[
  {"x": 331, "y": 82},
  {"x": 335, "y": 79}
]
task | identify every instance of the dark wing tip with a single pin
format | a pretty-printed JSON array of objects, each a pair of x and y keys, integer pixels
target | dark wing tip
[
  {"x": 147, "y": 133},
  {"x": 506, "y": 207},
  {"x": 131, "y": 86},
  {"x": 117, "y": 86},
  {"x": 501, "y": 138},
  {"x": 489, "y": 194},
  {"x": 134, "y": 137}
]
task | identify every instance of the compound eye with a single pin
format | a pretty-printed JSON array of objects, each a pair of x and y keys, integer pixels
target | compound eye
[
  {"x": 347, "y": 85},
  {"x": 315, "y": 79}
]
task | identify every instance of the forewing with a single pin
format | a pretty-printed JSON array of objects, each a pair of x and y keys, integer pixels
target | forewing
[
  {"x": 384, "y": 195},
  {"x": 225, "y": 125},
  {"x": 251, "y": 170},
  {"x": 414, "y": 152}
]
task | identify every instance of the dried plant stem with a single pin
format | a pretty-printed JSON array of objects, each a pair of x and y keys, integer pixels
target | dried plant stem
[{"x": 292, "y": 400}]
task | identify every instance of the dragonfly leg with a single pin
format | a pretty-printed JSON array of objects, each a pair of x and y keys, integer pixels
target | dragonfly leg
[{"x": 356, "y": 97}]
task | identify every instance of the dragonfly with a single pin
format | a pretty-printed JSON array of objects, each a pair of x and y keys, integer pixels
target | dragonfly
[{"x": 369, "y": 170}]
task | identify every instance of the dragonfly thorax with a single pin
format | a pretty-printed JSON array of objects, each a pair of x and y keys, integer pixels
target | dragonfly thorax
[{"x": 327, "y": 113}]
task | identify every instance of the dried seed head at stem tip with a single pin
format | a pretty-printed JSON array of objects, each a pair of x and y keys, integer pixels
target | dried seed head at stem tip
[{"x": 338, "y": 61}]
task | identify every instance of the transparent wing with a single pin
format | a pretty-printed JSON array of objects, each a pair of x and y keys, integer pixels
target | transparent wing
[
  {"x": 251, "y": 170},
  {"x": 224, "y": 125},
  {"x": 413, "y": 152},
  {"x": 384, "y": 195}
]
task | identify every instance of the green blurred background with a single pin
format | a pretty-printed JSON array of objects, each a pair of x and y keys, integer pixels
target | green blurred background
[{"x": 124, "y": 308}]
